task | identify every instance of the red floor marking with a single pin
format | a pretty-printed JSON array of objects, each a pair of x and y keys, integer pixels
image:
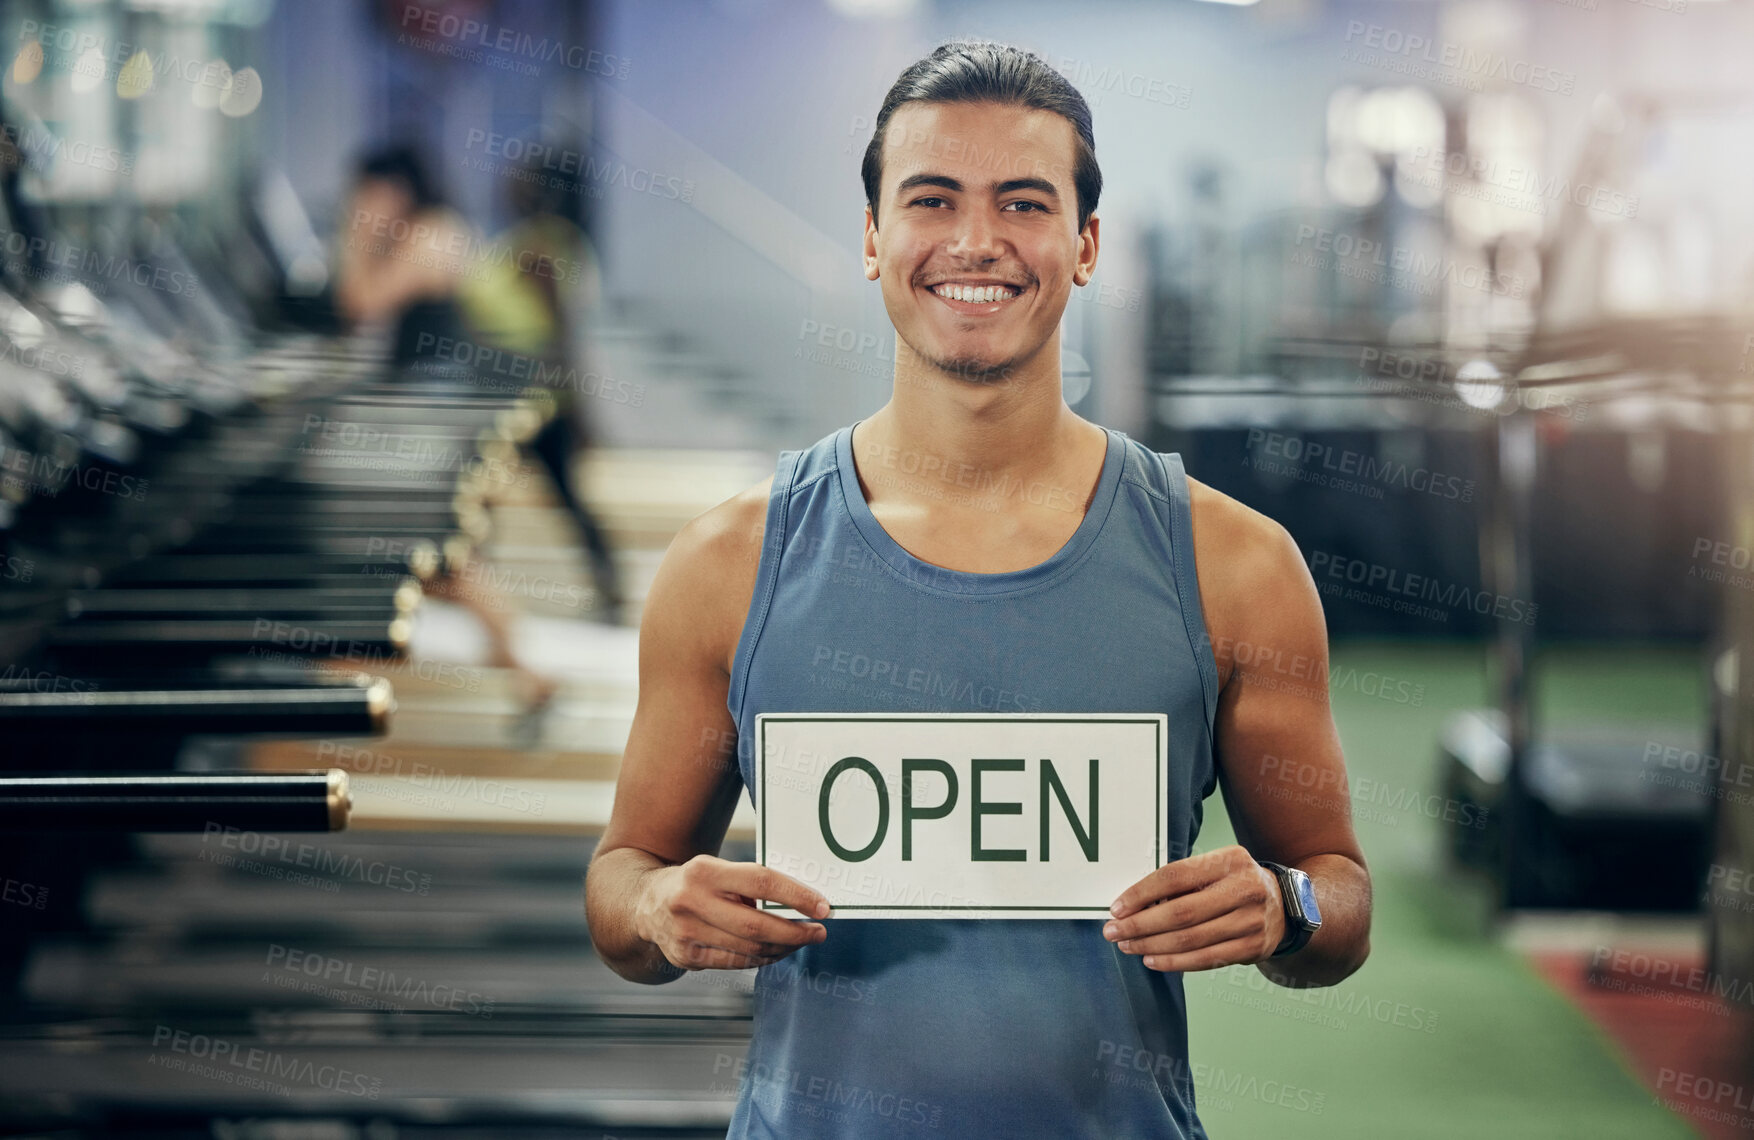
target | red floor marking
[{"x": 1682, "y": 1039}]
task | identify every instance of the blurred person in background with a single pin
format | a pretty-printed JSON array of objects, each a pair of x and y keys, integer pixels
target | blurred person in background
[
  {"x": 398, "y": 254},
  {"x": 535, "y": 291},
  {"x": 403, "y": 255}
]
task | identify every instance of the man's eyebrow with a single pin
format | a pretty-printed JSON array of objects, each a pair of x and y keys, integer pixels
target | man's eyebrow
[{"x": 1039, "y": 185}]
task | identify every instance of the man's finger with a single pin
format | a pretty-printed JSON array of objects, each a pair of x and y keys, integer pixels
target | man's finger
[
  {"x": 1231, "y": 953},
  {"x": 782, "y": 935},
  {"x": 753, "y": 881},
  {"x": 1178, "y": 913},
  {"x": 1232, "y": 924},
  {"x": 702, "y": 956},
  {"x": 1171, "y": 879}
]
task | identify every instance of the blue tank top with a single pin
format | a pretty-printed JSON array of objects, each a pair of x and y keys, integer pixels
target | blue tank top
[{"x": 991, "y": 1027}]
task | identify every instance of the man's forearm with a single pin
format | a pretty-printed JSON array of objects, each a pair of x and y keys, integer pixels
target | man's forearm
[
  {"x": 612, "y": 889},
  {"x": 1342, "y": 890}
]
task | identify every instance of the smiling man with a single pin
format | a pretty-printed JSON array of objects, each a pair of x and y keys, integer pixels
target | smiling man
[{"x": 984, "y": 550}]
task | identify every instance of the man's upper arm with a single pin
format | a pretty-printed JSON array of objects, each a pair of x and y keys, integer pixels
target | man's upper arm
[
  {"x": 679, "y": 785},
  {"x": 1278, "y": 752}
]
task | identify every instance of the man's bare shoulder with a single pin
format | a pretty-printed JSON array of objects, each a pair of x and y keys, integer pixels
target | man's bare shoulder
[
  {"x": 707, "y": 578},
  {"x": 1248, "y": 564},
  {"x": 733, "y": 529},
  {"x": 1238, "y": 537}
]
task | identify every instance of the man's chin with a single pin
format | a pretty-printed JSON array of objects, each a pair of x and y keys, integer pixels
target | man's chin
[{"x": 977, "y": 370}]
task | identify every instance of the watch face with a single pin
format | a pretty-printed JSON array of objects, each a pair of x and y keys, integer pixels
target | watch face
[{"x": 1306, "y": 900}]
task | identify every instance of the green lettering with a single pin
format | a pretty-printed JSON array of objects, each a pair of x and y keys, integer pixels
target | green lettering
[
  {"x": 909, "y": 813},
  {"x": 976, "y": 851},
  {"x": 1051, "y": 779},
  {"x": 869, "y": 769}
]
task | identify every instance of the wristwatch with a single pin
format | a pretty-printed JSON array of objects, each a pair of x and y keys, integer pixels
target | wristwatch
[{"x": 1302, "y": 916}]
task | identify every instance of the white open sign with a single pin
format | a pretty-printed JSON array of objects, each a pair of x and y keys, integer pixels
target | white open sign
[{"x": 962, "y": 815}]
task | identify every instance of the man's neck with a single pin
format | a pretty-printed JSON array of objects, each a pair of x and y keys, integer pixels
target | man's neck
[{"x": 1014, "y": 428}]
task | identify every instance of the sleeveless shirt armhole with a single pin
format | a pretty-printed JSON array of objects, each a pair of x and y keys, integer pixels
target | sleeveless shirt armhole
[
  {"x": 1188, "y": 583},
  {"x": 773, "y": 544}
]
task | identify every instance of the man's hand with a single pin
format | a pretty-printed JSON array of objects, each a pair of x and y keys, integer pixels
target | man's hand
[
  {"x": 1217, "y": 909},
  {"x": 701, "y": 914}
]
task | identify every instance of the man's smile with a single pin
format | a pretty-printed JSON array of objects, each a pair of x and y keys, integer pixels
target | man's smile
[{"x": 975, "y": 298}]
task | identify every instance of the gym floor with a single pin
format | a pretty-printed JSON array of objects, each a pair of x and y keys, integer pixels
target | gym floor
[{"x": 1447, "y": 1031}]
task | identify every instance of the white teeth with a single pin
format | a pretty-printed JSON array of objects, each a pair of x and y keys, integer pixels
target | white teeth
[{"x": 983, "y": 295}]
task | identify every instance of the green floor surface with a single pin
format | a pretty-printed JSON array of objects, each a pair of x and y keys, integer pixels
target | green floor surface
[{"x": 1443, "y": 1033}]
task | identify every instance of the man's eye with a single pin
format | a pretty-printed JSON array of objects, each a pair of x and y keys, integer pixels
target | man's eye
[
  {"x": 1036, "y": 206},
  {"x": 929, "y": 198}
]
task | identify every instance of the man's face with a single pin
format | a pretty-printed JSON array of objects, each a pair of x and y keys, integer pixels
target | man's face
[{"x": 978, "y": 195}]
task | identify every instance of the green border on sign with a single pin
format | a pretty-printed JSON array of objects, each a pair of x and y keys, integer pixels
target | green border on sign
[{"x": 1158, "y": 722}]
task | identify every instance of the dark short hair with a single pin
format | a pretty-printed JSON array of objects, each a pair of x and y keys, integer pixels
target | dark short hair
[
  {"x": 403, "y": 163},
  {"x": 984, "y": 71}
]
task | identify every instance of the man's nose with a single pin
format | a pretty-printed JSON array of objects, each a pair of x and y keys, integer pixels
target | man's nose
[{"x": 977, "y": 236}]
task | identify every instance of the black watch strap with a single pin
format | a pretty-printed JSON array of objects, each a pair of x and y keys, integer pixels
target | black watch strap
[{"x": 1300, "y": 923}]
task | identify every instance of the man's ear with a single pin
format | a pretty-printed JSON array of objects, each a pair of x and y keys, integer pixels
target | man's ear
[
  {"x": 1087, "y": 245},
  {"x": 870, "y": 244}
]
